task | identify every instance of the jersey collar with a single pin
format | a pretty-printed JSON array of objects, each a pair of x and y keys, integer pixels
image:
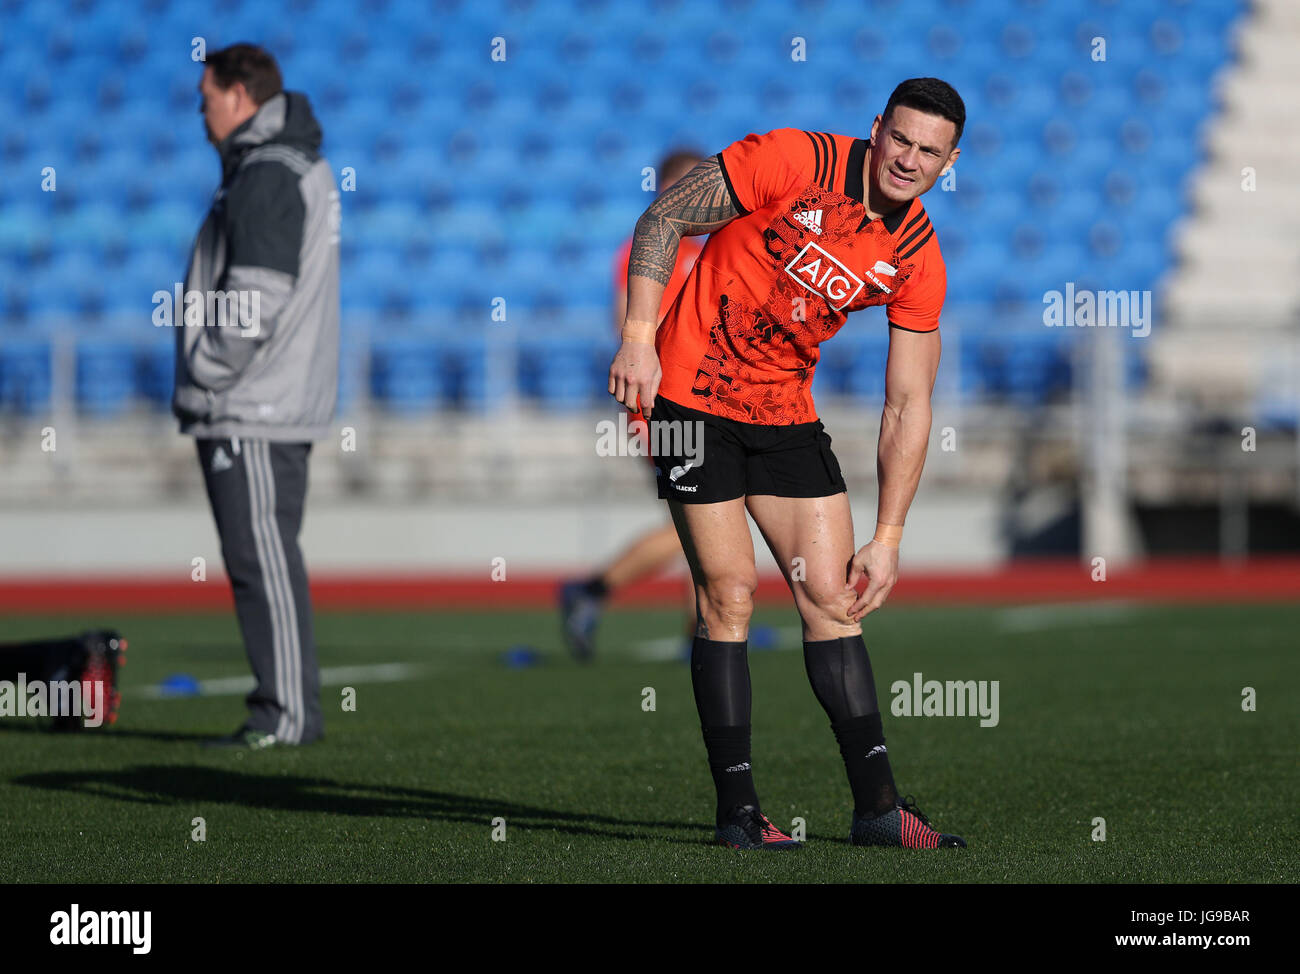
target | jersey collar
[{"x": 853, "y": 170}]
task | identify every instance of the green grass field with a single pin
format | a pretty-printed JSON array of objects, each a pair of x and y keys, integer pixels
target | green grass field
[{"x": 1131, "y": 714}]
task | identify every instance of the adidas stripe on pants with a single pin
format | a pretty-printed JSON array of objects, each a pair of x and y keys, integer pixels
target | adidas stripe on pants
[{"x": 257, "y": 490}]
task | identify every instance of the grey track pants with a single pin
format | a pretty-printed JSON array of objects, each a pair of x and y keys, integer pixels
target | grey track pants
[{"x": 257, "y": 490}]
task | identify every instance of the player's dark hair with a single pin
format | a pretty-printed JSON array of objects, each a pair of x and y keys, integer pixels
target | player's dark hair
[
  {"x": 932, "y": 96},
  {"x": 680, "y": 158},
  {"x": 249, "y": 64}
]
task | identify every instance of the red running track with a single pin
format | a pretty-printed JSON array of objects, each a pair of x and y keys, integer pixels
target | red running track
[{"x": 1166, "y": 580}]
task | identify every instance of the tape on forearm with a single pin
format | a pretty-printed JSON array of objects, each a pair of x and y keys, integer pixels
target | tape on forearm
[
  {"x": 639, "y": 331},
  {"x": 888, "y": 535}
]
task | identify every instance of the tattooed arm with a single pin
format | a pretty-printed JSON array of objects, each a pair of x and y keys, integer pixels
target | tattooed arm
[{"x": 697, "y": 203}]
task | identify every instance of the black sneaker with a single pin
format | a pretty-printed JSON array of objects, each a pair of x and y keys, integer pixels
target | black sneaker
[
  {"x": 903, "y": 826},
  {"x": 94, "y": 660},
  {"x": 748, "y": 828}
]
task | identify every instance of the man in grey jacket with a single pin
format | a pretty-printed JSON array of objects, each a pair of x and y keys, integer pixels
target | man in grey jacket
[{"x": 257, "y": 369}]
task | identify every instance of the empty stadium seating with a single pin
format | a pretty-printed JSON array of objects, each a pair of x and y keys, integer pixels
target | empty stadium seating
[{"x": 518, "y": 179}]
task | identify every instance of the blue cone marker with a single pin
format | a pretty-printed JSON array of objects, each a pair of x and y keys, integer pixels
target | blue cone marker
[
  {"x": 520, "y": 657},
  {"x": 179, "y": 685}
]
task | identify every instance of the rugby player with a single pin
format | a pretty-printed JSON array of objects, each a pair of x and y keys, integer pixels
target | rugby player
[
  {"x": 805, "y": 227},
  {"x": 583, "y": 599}
]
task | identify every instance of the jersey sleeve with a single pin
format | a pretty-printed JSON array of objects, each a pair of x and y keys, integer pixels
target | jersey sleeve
[
  {"x": 920, "y": 300},
  {"x": 762, "y": 168}
]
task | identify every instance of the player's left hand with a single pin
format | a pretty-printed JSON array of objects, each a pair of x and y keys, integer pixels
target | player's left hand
[{"x": 879, "y": 564}]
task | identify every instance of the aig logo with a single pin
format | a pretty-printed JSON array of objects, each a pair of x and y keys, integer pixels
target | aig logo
[{"x": 822, "y": 274}]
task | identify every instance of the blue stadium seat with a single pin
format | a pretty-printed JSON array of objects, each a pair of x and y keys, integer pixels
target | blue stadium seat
[
  {"x": 105, "y": 376},
  {"x": 556, "y": 370},
  {"x": 405, "y": 377},
  {"x": 155, "y": 369},
  {"x": 24, "y": 376},
  {"x": 519, "y": 179}
]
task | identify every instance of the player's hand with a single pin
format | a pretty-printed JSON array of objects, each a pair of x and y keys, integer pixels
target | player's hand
[
  {"x": 634, "y": 376},
  {"x": 878, "y": 563}
]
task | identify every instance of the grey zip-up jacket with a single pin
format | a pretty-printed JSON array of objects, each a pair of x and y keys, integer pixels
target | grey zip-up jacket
[{"x": 257, "y": 340}]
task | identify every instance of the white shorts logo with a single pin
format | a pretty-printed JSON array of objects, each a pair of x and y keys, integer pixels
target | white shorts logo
[{"x": 822, "y": 274}]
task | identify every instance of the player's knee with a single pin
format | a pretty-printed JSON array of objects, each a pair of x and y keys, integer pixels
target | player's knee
[
  {"x": 826, "y": 600},
  {"x": 728, "y": 601}
]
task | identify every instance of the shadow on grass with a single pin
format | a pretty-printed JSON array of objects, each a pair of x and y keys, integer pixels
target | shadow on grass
[
  {"x": 174, "y": 784},
  {"x": 96, "y": 737}
]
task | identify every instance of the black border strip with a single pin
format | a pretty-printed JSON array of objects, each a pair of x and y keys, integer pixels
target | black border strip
[
  {"x": 906, "y": 242},
  {"x": 920, "y": 243},
  {"x": 853, "y": 175},
  {"x": 835, "y": 161},
  {"x": 740, "y": 207},
  {"x": 912, "y": 222},
  {"x": 914, "y": 331}
]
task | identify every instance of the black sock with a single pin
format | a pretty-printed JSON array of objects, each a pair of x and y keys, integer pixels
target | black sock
[
  {"x": 720, "y": 679},
  {"x": 733, "y": 778},
  {"x": 840, "y": 673},
  {"x": 596, "y": 587},
  {"x": 862, "y": 746}
]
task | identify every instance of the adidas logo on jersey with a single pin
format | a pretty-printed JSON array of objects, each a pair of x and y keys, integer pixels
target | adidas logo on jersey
[
  {"x": 220, "y": 461},
  {"x": 812, "y": 219}
]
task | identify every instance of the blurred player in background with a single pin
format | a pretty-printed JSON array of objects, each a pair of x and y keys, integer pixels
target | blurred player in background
[
  {"x": 255, "y": 393},
  {"x": 805, "y": 227},
  {"x": 582, "y": 600}
]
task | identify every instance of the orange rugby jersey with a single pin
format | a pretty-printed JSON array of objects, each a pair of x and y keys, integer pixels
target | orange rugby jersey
[{"x": 738, "y": 341}]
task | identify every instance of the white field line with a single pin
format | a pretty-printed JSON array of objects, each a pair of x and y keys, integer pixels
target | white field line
[
  {"x": 1065, "y": 615},
  {"x": 330, "y": 676}
]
